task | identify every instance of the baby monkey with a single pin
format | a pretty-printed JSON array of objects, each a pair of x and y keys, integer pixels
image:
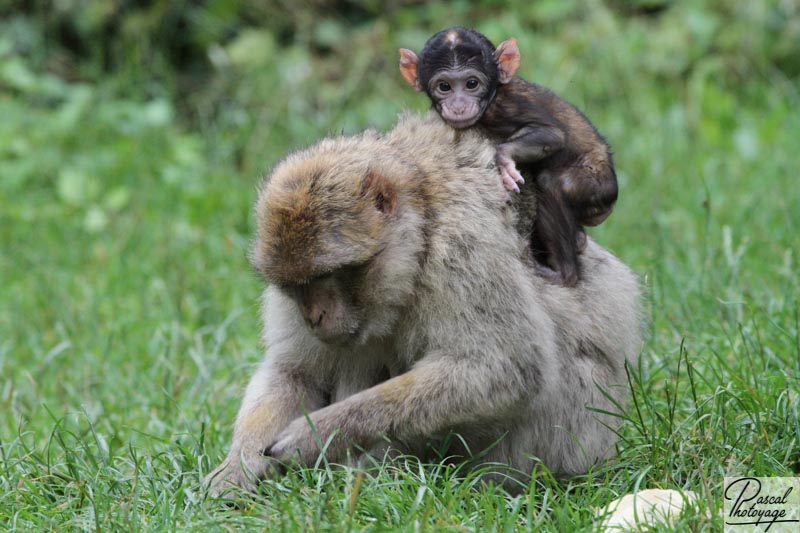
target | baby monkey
[{"x": 472, "y": 83}]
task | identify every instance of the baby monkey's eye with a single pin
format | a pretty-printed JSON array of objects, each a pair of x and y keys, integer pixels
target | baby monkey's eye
[
  {"x": 472, "y": 83},
  {"x": 444, "y": 86}
]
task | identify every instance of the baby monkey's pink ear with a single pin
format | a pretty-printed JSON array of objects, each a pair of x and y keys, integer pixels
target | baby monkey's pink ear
[
  {"x": 507, "y": 55},
  {"x": 408, "y": 68}
]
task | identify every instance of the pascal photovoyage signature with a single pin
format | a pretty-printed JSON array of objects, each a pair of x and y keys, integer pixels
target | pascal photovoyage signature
[{"x": 751, "y": 507}]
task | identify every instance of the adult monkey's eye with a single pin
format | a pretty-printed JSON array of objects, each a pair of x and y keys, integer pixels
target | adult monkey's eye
[
  {"x": 472, "y": 83},
  {"x": 444, "y": 86}
]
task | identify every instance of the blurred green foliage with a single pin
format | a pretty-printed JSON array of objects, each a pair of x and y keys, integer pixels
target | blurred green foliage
[{"x": 251, "y": 69}]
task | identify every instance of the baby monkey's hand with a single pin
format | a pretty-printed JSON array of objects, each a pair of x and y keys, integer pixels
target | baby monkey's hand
[{"x": 509, "y": 175}]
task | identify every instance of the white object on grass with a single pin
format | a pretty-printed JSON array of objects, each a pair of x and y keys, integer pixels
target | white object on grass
[{"x": 644, "y": 508}]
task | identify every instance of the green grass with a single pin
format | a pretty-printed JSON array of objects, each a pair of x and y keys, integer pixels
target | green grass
[{"x": 129, "y": 316}]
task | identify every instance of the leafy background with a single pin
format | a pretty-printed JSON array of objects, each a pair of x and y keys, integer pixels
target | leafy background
[{"x": 132, "y": 136}]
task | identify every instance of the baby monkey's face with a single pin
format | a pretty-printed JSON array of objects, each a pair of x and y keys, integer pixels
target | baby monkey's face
[
  {"x": 460, "y": 95},
  {"x": 459, "y": 69}
]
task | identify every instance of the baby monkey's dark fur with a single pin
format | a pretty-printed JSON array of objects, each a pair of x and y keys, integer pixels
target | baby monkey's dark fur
[{"x": 470, "y": 82}]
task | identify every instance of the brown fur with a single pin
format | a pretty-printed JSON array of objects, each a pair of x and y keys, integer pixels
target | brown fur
[
  {"x": 551, "y": 141},
  {"x": 583, "y": 166},
  {"x": 443, "y": 327}
]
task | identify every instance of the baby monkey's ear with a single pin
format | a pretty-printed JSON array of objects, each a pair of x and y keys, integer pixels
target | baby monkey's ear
[
  {"x": 507, "y": 55},
  {"x": 408, "y": 68}
]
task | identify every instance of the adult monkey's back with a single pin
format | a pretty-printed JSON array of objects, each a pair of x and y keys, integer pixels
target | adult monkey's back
[{"x": 401, "y": 304}]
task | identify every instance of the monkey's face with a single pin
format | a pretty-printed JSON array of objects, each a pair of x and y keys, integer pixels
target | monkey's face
[
  {"x": 331, "y": 304},
  {"x": 460, "y": 95},
  {"x": 340, "y": 237},
  {"x": 360, "y": 300}
]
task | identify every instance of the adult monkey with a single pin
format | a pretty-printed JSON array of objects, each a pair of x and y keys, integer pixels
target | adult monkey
[{"x": 401, "y": 304}]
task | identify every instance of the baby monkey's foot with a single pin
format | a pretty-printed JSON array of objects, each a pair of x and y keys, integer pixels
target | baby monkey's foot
[
  {"x": 509, "y": 175},
  {"x": 567, "y": 278}
]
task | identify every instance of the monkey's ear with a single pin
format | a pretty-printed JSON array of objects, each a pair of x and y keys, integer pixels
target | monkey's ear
[
  {"x": 381, "y": 191},
  {"x": 507, "y": 55},
  {"x": 408, "y": 68}
]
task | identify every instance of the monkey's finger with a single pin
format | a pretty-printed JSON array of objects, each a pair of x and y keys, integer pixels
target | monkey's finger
[
  {"x": 508, "y": 181},
  {"x": 516, "y": 175},
  {"x": 553, "y": 276},
  {"x": 282, "y": 448},
  {"x": 268, "y": 450},
  {"x": 581, "y": 240},
  {"x": 507, "y": 166},
  {"x": 279, "y": 449}
]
